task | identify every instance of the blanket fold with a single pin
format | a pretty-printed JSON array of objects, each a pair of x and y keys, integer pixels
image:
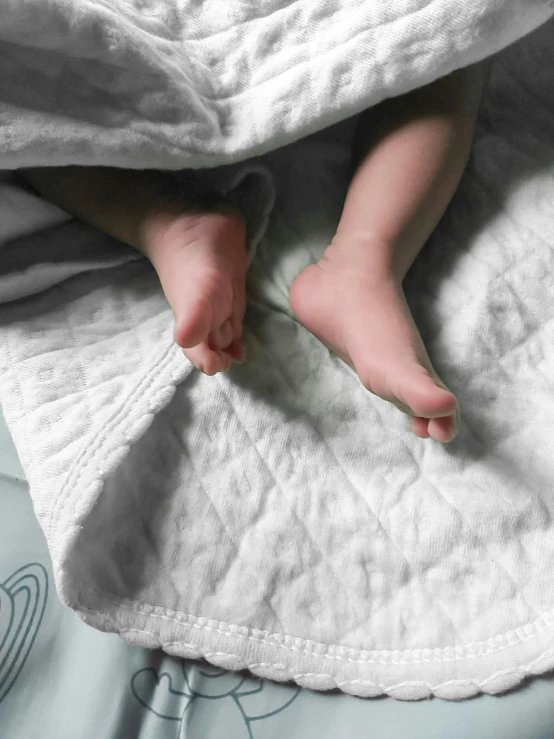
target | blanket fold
[{"x": 175, "y": 84}]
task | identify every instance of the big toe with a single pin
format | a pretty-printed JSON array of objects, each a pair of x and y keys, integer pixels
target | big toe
[
  {"x": 193, "y": 317},
  {"x": 425, "y": 397},
  {"x": 190, "y": 284},
  {"x": 444, "y": 429},
  {"x": 207, "y": 360},
  {"x": 435, "y": 409},
  {"x": 198, "y": 291},
  {"x": 417, "y": 392}
]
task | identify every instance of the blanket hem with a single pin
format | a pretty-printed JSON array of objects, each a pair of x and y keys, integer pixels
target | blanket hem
[{"x": 264, "y": 663}]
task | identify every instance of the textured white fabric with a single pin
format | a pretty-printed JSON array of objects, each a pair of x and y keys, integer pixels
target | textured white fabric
[
  {"x": 182, "y": 83},
  {"x": 279, "y": 517}
]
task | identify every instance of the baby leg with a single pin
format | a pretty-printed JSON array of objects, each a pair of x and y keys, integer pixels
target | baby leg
[
  {"x": 352, "y": 298},
  {"x": 197, "y": 249}
]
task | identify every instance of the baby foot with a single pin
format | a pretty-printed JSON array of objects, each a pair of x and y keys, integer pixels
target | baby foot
[
  {"x": 201, "y": 261},
  {"x": 361, "y": 315}
]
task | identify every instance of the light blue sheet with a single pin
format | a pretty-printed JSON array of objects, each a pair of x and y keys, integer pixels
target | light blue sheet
[{"x": 59, "y": 679}]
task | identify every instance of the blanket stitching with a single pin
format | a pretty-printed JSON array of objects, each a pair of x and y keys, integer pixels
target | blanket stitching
[
  {"x": 359, "y": 681},
  {"x": 524, "y": 670},
  {"x": 425, "y": 654},
  {"x": 521, "y": 670},
  {"x": 61, "y": 501}
]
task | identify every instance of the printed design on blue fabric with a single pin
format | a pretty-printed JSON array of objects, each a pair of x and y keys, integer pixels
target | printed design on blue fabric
[
  {"x": 22, "y": 603},
  {"x": 241, "y": 700}
]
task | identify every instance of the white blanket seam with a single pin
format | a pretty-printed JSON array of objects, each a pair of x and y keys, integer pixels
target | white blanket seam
[{"x": 423, "y": 654}]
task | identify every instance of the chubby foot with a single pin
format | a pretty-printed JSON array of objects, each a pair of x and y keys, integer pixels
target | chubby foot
[
  {"x": 360, "y": 313},
  {"x": 201, "y": 261}
]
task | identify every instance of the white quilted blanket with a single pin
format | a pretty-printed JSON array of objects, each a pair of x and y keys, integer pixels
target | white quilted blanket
[{"x": 279, "y": 517}]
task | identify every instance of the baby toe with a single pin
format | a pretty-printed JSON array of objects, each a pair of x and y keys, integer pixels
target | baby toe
[
  {"x": 443, "y": 429},
  {"x": 237, "y": 351},
  {"x": 420, "y": 427},
  {"x": 221, "y": 337},
  {"x": 192, "y": 321},
  {"x": 207, "y": 360}
]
